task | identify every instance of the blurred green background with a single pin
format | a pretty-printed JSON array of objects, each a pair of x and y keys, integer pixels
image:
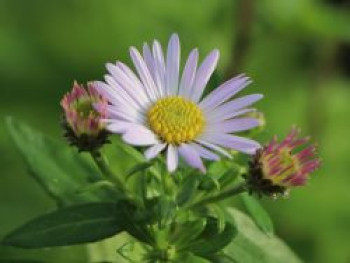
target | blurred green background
[{"x": 296, "y": 51}]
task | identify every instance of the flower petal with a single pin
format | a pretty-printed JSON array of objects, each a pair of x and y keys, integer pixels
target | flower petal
[
  {"x": 159, "y": 67},
  {"x": 154, "y": 150},
  {"x": 205, "y": 153},
  {"x": 147, "y": 56},
  {"x": 192, "y": 157},
  {"x": 189, "y": 74},
  {"x": 154, "y": 66},
  {"x": 116, "y": 126},
  {"x": 111, "y": 94},
  {"x": 228, "y": 110},
  {"x": 233, "y": 125},
  {"x": 203, "y": 75},
  {"x": 172, "y": 158},
  {"x": 140, "y": 137},
  {"x": 123, "y": 113},
  {"x": 231, "y": 141},
  {"x": 144, "y": 73},
  {"x": 172, "y": 65},
  {"x": 126, "y": 80},
  {"x": 215, "y": 148},
  {"x": 134, "y": 81},
  {"x": 224, "y": 92},
  {"x": 116, "y": 96},
  {"x": 124, "y": 97}
]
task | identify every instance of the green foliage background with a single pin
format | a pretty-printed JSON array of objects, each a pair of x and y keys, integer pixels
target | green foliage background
[{"x": 297, "y": 52}]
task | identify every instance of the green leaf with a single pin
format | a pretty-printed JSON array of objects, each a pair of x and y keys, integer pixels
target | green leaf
[
  {"x": 184, "y": 234},
  {"x": 209, "y": 183},
  {"x": 216, "y": 169},
  {"x": 228, "y": 178},
  {"x": 219, "y": 214},
  {"x": 189, "y": 187},
  {"x": 70, "y": 225},
  {"x": 221, "y": 258},
  {"x": 96, "y": 186},
  {"x": 258, "y": 213},
  {"x": 134, "y": 155},
  {"x": 139, "y": 187},
  {"x": 166, "y": 209},
  {"x": 138, "y": 221},
  {"x": 190, "y": 258},
  {"x": 59, "y": 169},
  {"x": 212, "y": 240},
  {"x": 251, "y": 245},
  {"x": 133, "y": 251},
  {"x": 138, "y": 168},
  {"x": 130, "y": 151}
]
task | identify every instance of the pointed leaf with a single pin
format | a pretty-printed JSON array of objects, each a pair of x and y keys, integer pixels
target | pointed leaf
[
  {"x": 59, "y": 169},
  {"x": 130, "y": 154},
  {"x": 211, "y": 240},
  {"x": 190, "y": 258},
  {"x": 228, "y": 178},
  {"x": 138, "y": 168},
  {"x": 188, "y": 189},
  {"x": 219, "y": 214},
  {"x": 209, "y": 183},
  {"x": 258, "y": 213},
  {"x": 251, "y": 245},
  {"x": 221, "y": 258},
  {"x": 70, "y": 225},
  {"x": 185, "y": 233}
]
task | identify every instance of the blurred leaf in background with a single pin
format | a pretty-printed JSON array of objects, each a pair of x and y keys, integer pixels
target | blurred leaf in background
[{"x": 297, "y": 52}]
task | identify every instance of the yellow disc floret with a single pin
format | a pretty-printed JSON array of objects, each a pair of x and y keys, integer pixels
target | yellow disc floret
[{"x": 175, "y": 120}]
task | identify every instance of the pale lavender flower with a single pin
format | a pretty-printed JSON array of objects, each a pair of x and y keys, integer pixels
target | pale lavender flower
[{"x": 164, "y": 111}]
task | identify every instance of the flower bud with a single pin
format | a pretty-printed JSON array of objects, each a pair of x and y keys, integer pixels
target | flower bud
[
  {"x": 81, "y": 121},
  {"x": 277, "y": 167}
]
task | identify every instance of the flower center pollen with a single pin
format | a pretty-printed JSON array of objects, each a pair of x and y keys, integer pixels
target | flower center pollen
[{"x": 176, "y": 120}]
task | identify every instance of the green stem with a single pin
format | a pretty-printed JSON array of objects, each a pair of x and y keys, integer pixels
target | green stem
[
  {"x": 165, "y": 183},
  {"x": 107, "y": 172},
  {"x": 238, "y": 189}
]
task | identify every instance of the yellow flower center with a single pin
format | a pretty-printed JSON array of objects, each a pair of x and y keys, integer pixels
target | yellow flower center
[{"x": 175, "y": 120}]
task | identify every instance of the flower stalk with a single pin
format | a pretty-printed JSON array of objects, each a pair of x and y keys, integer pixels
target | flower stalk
[
  {"x": 101, "y": 163},
  {"x": 236, "y": 190}
]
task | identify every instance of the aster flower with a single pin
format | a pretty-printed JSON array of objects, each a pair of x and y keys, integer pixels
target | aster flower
[
  {"x": 277, "y": 167},
  {"x": 81, "y": 122},
  {"x": 162, "y": 110}
]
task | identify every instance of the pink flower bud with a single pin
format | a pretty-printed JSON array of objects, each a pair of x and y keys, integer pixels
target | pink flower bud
[
  {"x": 277, "y": 167},
  {"x": 82, "y": 121}
]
